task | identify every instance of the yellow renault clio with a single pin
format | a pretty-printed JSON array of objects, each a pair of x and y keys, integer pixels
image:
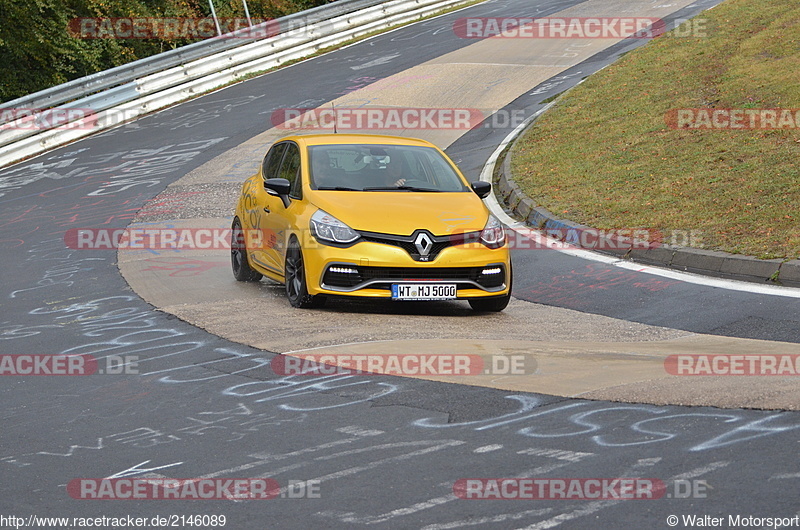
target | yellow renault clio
[{"x": 372, "y": 217}]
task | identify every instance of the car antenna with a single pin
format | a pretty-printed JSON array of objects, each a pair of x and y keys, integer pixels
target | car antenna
[{"x": 333, "y": 108}]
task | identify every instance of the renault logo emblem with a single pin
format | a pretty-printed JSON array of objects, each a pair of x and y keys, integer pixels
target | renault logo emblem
[{"x": 424, "y": 243}]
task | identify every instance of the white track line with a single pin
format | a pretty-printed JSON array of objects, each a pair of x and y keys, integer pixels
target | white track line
[{"x": 541, "y": 240}]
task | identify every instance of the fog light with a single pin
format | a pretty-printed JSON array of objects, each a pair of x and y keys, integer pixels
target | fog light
[{"x": 343, "y": 270}]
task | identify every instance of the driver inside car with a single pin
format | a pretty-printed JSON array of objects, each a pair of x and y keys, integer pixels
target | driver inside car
[
  {"x": 394, "y": 173},
  {"x": 324, "y": 174}
]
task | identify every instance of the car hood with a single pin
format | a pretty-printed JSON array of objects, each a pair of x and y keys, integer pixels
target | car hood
[{"x": 400, "y": 213}]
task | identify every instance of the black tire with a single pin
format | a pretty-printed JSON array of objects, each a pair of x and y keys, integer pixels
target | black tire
[
  {"x": 240, "y": 265},
  {"x": 493, "y": 303},
  {"x": 295, "y": 274}
]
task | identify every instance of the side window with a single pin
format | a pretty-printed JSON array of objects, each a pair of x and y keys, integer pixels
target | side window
[
  {"x": 269, "y": 168},
  {"x": 290, "y": 170}
]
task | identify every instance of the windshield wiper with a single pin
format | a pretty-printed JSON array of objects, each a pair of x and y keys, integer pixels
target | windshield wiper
[
  {"x": 338, "y": 188},
  {"x": 403, "y": 188}
]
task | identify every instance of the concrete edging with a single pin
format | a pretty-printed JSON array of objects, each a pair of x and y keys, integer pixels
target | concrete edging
[{"x": 688, "y": 259}]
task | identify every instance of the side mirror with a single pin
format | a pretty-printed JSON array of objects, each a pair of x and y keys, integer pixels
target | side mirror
[
  {"x": 481, "y": 188},
  {"x": 279, "y": 187}
]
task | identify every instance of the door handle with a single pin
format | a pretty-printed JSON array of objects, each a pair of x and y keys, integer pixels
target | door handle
[{"x": 266, "y": 209}]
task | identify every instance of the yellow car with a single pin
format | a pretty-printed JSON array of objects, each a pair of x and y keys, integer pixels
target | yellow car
[{"x": 369, "y": 216}]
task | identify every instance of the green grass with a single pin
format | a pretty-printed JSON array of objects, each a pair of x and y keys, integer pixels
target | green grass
[{"x": 604, "y": 155}]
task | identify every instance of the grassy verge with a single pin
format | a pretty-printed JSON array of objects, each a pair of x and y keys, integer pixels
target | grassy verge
[{"x": 604, "y": 155}]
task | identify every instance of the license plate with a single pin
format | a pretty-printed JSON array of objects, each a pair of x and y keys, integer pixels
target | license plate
[{"x": 423, "y": 291}]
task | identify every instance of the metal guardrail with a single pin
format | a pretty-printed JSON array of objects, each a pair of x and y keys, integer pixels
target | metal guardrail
[
  {"x": 119, "y": 75},
  {"x": 141, "y": 87}
]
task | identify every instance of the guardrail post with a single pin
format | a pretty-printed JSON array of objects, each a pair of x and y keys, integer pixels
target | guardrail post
[{"x": 214, "y": 15}]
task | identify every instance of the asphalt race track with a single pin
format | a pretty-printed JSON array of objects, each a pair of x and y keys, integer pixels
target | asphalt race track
[{"x": 200, "y": 398}]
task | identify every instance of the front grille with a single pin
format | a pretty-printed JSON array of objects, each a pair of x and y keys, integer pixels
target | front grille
[
  {"x": 439, "y": 243},
  {"x": 412, "y": 273},
  {"x": 383, "y": 277}
]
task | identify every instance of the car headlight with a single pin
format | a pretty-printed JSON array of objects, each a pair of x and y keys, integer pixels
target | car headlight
[
  {"x": 326, "y": 227},
  {"x": 493, "y": 234}
]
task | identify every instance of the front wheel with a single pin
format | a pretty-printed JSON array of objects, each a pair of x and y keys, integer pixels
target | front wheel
[
  {"x": 494, "y": 304},
  {"x": 295, "y": 273},
  {"x": 239, "y": 262}
]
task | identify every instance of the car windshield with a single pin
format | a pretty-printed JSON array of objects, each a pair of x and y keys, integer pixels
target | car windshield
[{"x": 372, "y": 167}]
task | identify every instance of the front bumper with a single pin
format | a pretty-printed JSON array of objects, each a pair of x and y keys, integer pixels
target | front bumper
[{"x": 368, "y": 269}]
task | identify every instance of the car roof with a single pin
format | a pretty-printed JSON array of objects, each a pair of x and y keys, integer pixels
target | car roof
[{"x": 340, "y": 139}]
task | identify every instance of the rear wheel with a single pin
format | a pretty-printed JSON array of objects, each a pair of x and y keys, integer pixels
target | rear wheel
[
  {"x": 239, "y": 263},
  {"x": 295, "y": 273}
]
